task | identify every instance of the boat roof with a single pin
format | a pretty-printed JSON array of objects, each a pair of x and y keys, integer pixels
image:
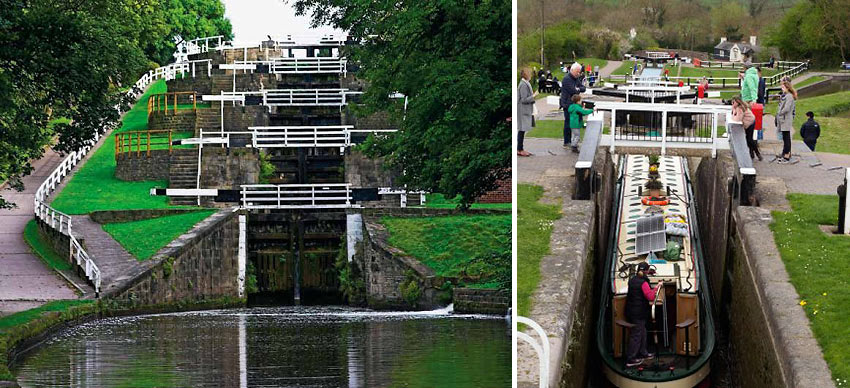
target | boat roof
[{"x": 672, "y": 171}]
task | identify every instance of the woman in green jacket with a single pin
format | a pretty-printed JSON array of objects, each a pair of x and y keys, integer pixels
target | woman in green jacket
[{"x": 575, "y": 110}]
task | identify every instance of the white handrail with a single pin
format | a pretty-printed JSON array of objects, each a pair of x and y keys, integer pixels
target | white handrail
[
  {"x": 541, "y": 347},
  {"x": 297, "y": 196}
]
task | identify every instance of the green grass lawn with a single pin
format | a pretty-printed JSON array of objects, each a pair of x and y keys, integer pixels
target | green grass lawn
[
  {"x": 94, "y": 186},
  {"x": 449, "y": 244},
  {"x": 817, "y": 265},
  {"x": 835, "y": 131},
  {"x": 714, "y": 72},
  {"x": 439, "y": 201},
  {"x": 547, "y": 128},
  {"x": 625, "y": 68},
  {"x": 158, "y": 232},
  {"x": 42, "y": 249},
  {"x": 808, "y": 81},
  {"x": 23, "y": 317},
  {"x": 534, "y": 227}
]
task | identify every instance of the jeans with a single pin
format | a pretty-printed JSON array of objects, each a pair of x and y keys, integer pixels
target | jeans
[
  {"x": 752, "y": 144},
  {"x": 786, "y": 143},
  {"x": 637, "y": 340},
  {"x": 519, "y": 138},
  {"x": 574, "y": 137}
]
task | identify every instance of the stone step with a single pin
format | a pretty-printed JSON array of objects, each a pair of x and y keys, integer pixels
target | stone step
[{"x": 174, "y": 171}]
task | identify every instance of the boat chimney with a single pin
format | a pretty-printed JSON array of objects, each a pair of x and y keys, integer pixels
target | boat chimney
[
  {"x": 722, "y": 39},
  {"x": 752, "y": 40}
]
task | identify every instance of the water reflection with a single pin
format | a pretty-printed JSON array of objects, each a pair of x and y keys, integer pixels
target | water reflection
[{"x": 276, "y": 347}]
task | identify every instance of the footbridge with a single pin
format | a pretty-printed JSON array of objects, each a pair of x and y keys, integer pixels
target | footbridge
[{"x": 663, "y": 129}]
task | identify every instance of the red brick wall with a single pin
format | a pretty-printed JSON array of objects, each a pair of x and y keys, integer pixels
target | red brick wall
[{"x": 502, "y": 193}]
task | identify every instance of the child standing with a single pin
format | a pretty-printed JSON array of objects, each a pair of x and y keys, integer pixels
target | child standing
[{"x": 575, "y": 111}]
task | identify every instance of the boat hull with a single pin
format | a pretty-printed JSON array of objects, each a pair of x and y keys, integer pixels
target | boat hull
[{"x": 689, "y": 381}]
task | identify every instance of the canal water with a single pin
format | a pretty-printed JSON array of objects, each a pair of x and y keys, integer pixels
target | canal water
[{"x": 276, "y": 347}]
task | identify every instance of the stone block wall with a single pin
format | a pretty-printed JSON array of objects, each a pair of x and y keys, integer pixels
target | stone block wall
[
  {"x": 239, "y": 118},
  {"x": 386, "y": 268},
  {"x": 130, "y": 167},
  {"x": 60, "y": 243},
  {"x": 184, "y": 120},
  {"x": 223, "y": 168},
  {"x": 480, "y": 301},
  {"x": 361, "y": 171},
  {"x": 201, "y": 264}
]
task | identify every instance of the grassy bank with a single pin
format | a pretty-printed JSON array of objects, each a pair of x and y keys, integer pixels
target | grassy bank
[
  {"x": 808, "y": 81},
  {"x": 553, "y": 129},
  {"x": 534, "y": 228},
  {"x": 42, "y": 249},
  {"x": 817, "y": 265},
  {"x": 157, "y": 232},
  {"x": 439, "y": 201},
  {"x": 94, "y": 186},
  {"x": 449, "y": 245},
  {"x": 834, "y": 130}
]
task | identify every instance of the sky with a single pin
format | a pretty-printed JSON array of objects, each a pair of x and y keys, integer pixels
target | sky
[{"x": 253, "y": 20}]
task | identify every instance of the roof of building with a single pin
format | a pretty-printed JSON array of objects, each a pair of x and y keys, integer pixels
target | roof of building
[{"x": 727, "y": 45}]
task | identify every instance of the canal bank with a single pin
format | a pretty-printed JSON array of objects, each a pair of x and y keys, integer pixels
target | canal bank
[{"x": 764, "y": 338}]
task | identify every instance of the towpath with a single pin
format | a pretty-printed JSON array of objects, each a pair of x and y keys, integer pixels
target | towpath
[{"x": 25, "y": 281}]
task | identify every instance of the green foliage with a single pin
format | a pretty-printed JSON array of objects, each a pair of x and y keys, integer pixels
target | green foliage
[
  {"x": 251, "y": 279},
  {"x": 654, "y": 159},
  {"x": 350, "y": 278},
  {"x": 816, "y": 30},
  {"x": 168, "y": 267},
  {"x": 562, "y": 42},
  {"x": 817, "y": 265},
  {"x": 144, "y": 238},
  {"x": 409, "y": 288},
  {"x": 534, "y": 228},
  {"x": 42, "y": 248},
  {"x": 496, "y": 264},
  {"x": 730, "y": 19},
  {"x": 267, "y": 168},
  {"x": 165, "y": 22},
  {"x": 451, "y": 59},
  {"x": 448, "y": 244}
]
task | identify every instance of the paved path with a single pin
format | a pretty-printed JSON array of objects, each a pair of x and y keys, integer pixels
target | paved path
[
  {"x": 606, "y": 71},
  {"x": 115, "y": 263},
  {"x": 552, "y": 168},
  {"x": 25, "y": 281}
]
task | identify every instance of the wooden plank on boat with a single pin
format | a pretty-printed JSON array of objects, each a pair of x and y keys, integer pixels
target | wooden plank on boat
[{"x": 687, "y": 307}]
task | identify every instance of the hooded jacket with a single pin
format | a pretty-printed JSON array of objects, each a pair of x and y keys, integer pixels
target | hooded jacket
[{"x": 749, "y": 85}]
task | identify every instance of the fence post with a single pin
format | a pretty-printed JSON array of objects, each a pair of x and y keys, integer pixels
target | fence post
[
  {"x": 138, "y": 144},
  {"x": 664, "y": 133},
  {"x": 149, "y": 144},
  {"x": 169, "y": 142}
]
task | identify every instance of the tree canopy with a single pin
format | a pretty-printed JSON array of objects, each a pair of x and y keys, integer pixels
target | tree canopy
[
  {"x": 71, "y": 60},
  {"x": 816, "y": 30},
  {"x": 452, "y": 59}
]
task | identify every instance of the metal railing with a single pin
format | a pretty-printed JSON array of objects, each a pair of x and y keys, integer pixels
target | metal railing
[
  {"x": 651, "y": 93},
  {"x": 335, "y": 65},
  {"x": 540, "y": 346},
  {"x": 403, "y": 194},
  {"x": 202, "y": 45},
  {"x": 792, "y": 69},
  {"x": 297, "y": 196},
  {"x": 128, "y": 144},
  {"x": 665, "y": 125},
  {"x": 283, "y": 137},
  {"x": 163, "y": 102},
  {"x": 304, "y": 97}
]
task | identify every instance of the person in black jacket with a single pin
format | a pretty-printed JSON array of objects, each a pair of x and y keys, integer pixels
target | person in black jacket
[
  {"x": 639, "y": 297},
  {"x": 570, "y": 85},
  {"x": 810, "y": 131},
  {"x": 762, "y": 91}
]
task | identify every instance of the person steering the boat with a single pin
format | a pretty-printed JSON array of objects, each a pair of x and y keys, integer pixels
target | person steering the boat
[{"x": 638, "y": 308}]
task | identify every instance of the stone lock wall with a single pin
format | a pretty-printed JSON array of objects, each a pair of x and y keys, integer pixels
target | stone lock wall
[
  {"x": 361, "y": 171},
  {"x": 224, "y": 168},
  {"x": 239, "y": 118},
  {"x": 184, "y": 120},
  {"x": 201, "y": 264},
  {"x": 480, "y": 301},
  {"x": 130, "y": 167}
]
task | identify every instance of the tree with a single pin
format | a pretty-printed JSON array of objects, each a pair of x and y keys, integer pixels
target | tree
[
  {"x": 451, "y": 58},
  {"x": 810, "y": 30},
  {"x": 60, "y": 59},
  {"x": 167, "y": 22},
  {"x": 730, "y": 20}
]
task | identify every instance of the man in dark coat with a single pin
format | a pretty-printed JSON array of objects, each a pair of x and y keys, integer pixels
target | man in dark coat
[
  {"x": 810, "y": 131},
  {"x": 639, "y": 297},
  {"x": 570, "y": 85},
  {"x": 762, "y": 90}
]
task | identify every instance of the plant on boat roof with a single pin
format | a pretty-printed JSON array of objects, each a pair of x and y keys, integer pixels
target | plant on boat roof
[
  {"x": 654, "y": 159},
  {"x": 654, "y": 184}
]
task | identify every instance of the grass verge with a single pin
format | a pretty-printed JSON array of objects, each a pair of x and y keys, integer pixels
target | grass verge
[
  {"x": 834, "y": 130},
  {"x": 42, "y": 249},
  {"x": 157, "y": 232},
  {"x": 94, "y": 186},
  {"x": 808, "y": 81},
  {"x": 534, "y": 228},
  {"x": 449, "y": 245},
  {"x": 817, "y": 265},
  {"x": 439, "y": 201}
]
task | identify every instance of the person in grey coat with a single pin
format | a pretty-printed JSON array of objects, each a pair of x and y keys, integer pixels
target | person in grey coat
[
  {"x": 785, "y": 118},
  {"x": 525, "y": 108}
]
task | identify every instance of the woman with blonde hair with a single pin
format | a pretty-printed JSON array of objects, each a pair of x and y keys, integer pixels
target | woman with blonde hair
[
  {"x": 785, "y": 118},
  {"x": 525, "y": 109},
  {"x": 741, "y": 112}
]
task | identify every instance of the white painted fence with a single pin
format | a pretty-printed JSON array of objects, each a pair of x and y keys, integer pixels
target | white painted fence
[
  {"x": 304, "y": 97},
  {"x": 334, "y": 65},
  {"x": 297, "y": 196}
]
